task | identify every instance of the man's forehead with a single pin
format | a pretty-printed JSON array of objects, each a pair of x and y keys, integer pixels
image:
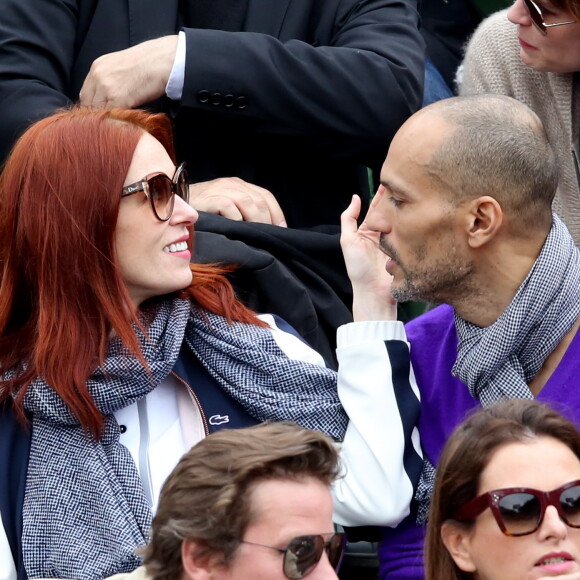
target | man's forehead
[
  {"x": 420, "y": 135},
  {"x": 412, "y": 149},
  {"x": 402, "y": 171}
]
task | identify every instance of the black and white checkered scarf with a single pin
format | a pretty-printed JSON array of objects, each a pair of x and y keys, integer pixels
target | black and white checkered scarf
[
  {"x": 497, "y": 362},
  {"x": 85, "y": 511}
]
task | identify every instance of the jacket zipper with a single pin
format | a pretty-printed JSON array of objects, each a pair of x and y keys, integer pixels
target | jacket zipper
[{"x": 195, "y": 400}]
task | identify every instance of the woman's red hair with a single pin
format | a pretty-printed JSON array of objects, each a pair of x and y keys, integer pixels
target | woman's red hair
[{"x": 61, "y": 291}]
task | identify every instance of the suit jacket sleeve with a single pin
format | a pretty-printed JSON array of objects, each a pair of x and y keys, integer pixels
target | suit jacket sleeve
[
  {"x": 354, "y": 86},
  {"x": 37, "y": 48}
]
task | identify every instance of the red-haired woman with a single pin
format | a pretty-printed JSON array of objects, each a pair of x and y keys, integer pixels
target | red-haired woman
[{"x": 119, "y": 354}]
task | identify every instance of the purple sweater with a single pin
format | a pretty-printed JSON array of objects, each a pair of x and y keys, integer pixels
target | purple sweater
[{"x": 445, "y": 402}]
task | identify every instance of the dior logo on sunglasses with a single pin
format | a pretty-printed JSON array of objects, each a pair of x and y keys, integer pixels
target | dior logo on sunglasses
[
  {"x": 161, "y": 191},
  {"x": 519, "y": 511},
  {"x": 303, "y": 553}
]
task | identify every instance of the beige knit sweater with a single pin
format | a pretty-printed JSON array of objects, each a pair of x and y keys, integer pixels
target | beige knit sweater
[{"x": 492, "y": 65}]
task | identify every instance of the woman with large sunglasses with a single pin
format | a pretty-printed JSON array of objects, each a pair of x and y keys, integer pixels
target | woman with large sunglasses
[
  {"x": 117, "y": 354},
  {"x": 532, "y": 53},
  {"x": 506, "y": 502}
]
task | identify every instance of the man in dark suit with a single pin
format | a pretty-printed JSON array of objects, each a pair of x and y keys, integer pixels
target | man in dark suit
[{"x": 292, "y": 97}]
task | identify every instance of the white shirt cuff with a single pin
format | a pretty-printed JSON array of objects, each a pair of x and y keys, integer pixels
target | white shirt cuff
[
  {"x": 174, "y": 88},
  {"x": 355, "y": 333}
]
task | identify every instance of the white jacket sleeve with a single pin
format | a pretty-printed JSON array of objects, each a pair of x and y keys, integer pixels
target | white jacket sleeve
[
  {"x": 381, "y": 452},
  {"x": 7, "y": 567}
]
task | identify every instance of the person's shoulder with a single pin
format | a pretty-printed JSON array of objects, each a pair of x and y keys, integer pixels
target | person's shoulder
[
  {"x": 496, "y": 25},
  {"x": 496, "y": 34},
  {"x": 492, "y": 62}
]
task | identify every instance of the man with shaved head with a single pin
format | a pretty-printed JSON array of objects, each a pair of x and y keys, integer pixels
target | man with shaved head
[{"x": 464, "y": 216}]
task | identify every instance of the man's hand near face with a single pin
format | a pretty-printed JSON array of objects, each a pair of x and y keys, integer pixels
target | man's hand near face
[
  {"x": 365, "y": 264},
  {"x": 236, "y": 199},
  {"x": 131, "y": 77},
  {"x": 138, "y": 75}
]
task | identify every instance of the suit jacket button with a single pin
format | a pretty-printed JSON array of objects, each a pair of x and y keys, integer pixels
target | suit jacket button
[
  {"x": 229, "y": 101},
  {"x": 203, "y": 96},
  {"x": 216, "y": 99},
  {"x": 241, "y": 102}
]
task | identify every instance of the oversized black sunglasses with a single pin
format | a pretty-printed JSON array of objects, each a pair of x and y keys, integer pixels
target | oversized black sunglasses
[
  {"x": 519, "y": 511},
  {"x": 161, "y": 191},
  {"x": 303, "y": 553},
  {"x": 537, "y": 17}
]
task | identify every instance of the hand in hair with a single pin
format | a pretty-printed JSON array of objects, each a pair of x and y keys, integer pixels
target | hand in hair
[
  {"x": 365, "y": 264},
  {"x": 236, "y": 199},
  {"x": 132, "y": 77}
]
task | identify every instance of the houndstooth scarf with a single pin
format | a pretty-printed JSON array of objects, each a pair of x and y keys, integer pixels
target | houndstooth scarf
[
  {"x": 497, "y": 362},
  {"x": 85, "y": 511}
]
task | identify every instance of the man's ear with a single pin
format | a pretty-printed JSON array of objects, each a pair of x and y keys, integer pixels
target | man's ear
[
  {"x": 484, "y": 219},
  {"x": 456, "y": 539},
  {"x": 195, "y": 567}
]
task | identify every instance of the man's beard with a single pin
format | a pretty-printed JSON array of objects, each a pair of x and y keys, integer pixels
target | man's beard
[{"x": 439, "y": 282}]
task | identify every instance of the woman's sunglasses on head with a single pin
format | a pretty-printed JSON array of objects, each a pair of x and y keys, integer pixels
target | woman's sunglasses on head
[
  {"x": 303, "y": 553},
  {"x": 519, "y": 511},
  {"x": 161, "y": 190},
  {"x": 537, "y": 17}
]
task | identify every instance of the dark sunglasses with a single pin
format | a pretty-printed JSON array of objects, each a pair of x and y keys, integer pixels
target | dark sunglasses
[
  {"x": 519, "y": 511},
  {"x": 303, "y": 553},
  {"x": 161, "y": 191},
  {"x": 537, "y": 17}
]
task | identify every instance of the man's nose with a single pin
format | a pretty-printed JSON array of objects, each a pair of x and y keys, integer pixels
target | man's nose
[{"x": 379, "y": 216}]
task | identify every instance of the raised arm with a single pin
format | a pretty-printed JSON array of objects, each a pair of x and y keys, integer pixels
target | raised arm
[
  {"x": 347, "y": 73},
  {"x": 381, "y": 450},
  {"x": 37, "y": 48},
  {"x": 350, "y": 86}
]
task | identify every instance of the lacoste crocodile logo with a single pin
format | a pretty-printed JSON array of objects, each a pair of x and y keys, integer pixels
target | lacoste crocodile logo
[{"x": 219, "y": 419}]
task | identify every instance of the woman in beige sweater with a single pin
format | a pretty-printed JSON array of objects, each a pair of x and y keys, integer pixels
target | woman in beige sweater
[{"x": 532, "y": 52}]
